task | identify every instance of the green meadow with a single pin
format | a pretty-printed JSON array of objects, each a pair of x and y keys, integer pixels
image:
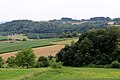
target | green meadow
[
  {"x": 66, "y": 73},
  {"x": 9, "y": 47}
]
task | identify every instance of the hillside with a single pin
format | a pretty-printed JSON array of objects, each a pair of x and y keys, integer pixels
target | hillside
[{"x": 48, "y": 29}]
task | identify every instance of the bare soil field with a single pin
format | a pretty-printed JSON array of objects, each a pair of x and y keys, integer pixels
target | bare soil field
[{"x": 40, "y": 51}]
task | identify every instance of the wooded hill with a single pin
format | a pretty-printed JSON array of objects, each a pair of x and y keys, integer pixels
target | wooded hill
[{"x": 52, "y": 28}]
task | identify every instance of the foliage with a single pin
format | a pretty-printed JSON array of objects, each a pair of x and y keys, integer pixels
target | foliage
[
  {"x": 47, "y": 29},
  {"x": 25, "y": 58},
  {"x": 115, "y": 64},
  {"x": 93, "y": 47},
  {"x": 42, "y": 62},
  {"x": 54, "y": 64},
  {"x": 68, "y": 34},
  {"x": 24, "y": 39},
  {"x": 50, "y": 57},
  {"x": 1, "y": 61},
  {"x": 11, "y": 62},
  {"x": 101, "y": 19},
  {"x": 117, "y": 20}
]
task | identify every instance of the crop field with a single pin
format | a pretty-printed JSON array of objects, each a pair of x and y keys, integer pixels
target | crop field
[
  {"x": 9, "y": 47},
  {"x": 3, "y": 37},
  {"x": 40, "y": 51},
  {"x": 66, "y": 41},
  {"x": 66, "y": 73}
]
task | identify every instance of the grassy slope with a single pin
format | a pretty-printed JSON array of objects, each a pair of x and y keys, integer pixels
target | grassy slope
[
  {"x": 80, "y": 74},
  {"x": 17, "y": 74},
  {"x": 8, "y": 47},
  {"x": 3, "y": 37},
  {"x": 66, "y": 73},
  {"x": 66, "y": 41}
]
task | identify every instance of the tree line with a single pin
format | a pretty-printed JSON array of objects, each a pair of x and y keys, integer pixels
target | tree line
[
  {"x": 48, "y": 29},
  {"x": 27, "y": 59}
]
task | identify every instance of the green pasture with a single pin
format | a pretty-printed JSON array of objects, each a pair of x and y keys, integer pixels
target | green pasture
[
  {"x": 9, "y": 47},
  {"x": 66, "y": 73},
  {"x": 3, "y": 37},
  {"x": 66, "y": 41},
  {"x": 19, "y": 74}
]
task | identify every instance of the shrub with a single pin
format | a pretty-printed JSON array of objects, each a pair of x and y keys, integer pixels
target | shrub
[
  {"x": 54, "y": 64},
  {"x": 24, "y": 39},
  {"x": 1, "y": 61},
  {"x": 25, "y": 58},
  {"x": 42, "y": 62},
  {"x": 115, "y": 64},
  {"x": 11, "y": 62},
  {"x": 50, "y": 57}
]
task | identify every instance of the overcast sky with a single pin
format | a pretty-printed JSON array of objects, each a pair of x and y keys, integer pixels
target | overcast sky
[{"x": 55, "y": 9}]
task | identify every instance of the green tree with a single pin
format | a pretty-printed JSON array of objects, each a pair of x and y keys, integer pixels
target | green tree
[
  {"x": 42, "y": 62},
  {"x": 1, "y": 61},
  {"x": 63, "y": 35},
  {"x": 11, "y": 61},
  {"x": 115, "y": 64},
  {"x": 54, "y": 64},
  {"x": 24, "y": 39},
  {"x": 93, "y": 47},
  {"x": 25, "y": 58},
  {"x": 74, "y": 34}
]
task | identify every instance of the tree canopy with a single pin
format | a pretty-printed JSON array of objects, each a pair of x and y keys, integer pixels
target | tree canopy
[
  {"x": 25, "y": 58},
  {"x": 47, "y": 29},
  {"x": 98, "y": 47}
]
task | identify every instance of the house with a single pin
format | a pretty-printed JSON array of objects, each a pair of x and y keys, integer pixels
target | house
[{"x": 111, "y": 23}]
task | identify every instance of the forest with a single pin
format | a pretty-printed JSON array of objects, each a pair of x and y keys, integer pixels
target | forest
[
  {"x": 94, "y": 47},
  {"x": 53, "y": 28}
]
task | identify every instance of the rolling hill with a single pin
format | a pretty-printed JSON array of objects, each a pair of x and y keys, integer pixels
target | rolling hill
[{"x": 48, "y": 29}]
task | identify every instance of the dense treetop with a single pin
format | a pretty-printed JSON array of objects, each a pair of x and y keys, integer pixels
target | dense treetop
[
  {"x": 99, "y": 47},
  {"x": 53, "y": 28}
]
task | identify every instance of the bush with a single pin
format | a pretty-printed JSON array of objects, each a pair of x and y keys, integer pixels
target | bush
[
  {"x": 1, "y": 61},
  {"x": 11, "y": 62},
  {"x": 25, "y": 58},
  {"x": 50, "y": 57},
  {"x": 54, "y": 64},
  {"x": 115, "y": 64},
  {"x": 24, "y": 39},
  {"x": 42, "y": 62}
]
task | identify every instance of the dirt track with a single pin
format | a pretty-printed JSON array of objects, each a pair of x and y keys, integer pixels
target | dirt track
[{"x": 40, "y": 51}]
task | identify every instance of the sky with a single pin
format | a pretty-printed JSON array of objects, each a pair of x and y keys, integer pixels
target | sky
[{"x": 38, "y": 10}]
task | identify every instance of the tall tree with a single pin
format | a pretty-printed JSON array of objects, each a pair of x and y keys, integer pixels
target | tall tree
[{"x": 25, "y": 58}]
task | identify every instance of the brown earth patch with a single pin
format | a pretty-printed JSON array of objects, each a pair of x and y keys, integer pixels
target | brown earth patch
[{"x": 40, "y": 51}]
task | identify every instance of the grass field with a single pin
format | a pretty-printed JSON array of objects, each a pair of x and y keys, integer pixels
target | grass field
[
  {"x": 19, "y": 74},
  {"x": 9, "y": 47},
  {"x": 66, "y": 73},
  {"x": 66, "y": 41},
  {"x": 3, "y": 37}
]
